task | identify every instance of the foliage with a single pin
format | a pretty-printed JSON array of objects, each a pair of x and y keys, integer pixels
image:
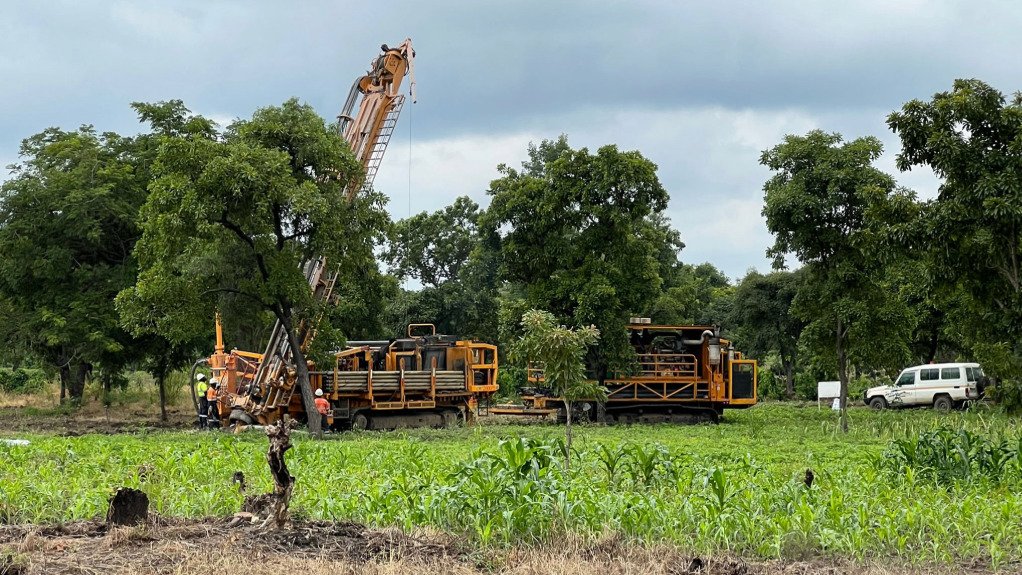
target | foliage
[
  {"x": 764, "y": 321},
  {"x": 736, "y": 488},
  {"x": 692, "y": 295},
  {"x": 574, "y": 230},
  {"x": 561, "y": 351},
  {"x": 432, "y": 248},
  {"x": 67, "y": 226},
  {"x": 971, "y": 137},
  {"x": 948, "y": 456},
  {"x": 22, "y": 380},
  {"x": 240, "y": 213},
  {"x": 827, "y": 205}
]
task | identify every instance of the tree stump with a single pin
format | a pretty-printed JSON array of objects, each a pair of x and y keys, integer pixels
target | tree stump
[
  {"x": 128, "y": 507},
  {"x": 283, "y": 483}
]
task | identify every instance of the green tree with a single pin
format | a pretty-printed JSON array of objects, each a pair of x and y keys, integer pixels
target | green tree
[
  {"x": 825, "y": 205},
  {"x": 432, "y": 248},
  {"x": 572, "y": 230},
  {"x": 561, "y": 351},
  {"x": 693, "y": 294},
  {"x": 971, "y": 137},
  {"x": 239, "y": 213},
  {"x": 766, "y": 322},
  {"x": 68, "y": 222},
  {"x": 443, "y": 250}
]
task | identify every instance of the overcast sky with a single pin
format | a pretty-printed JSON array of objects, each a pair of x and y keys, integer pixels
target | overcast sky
[{"x": 701, "y": 88}]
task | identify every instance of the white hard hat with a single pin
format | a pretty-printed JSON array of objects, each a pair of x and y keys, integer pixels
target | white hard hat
[
  {"x": 319, "y": 393},
  {"x": 200, "y": 377},
  {"x": 214, "y": 381}
]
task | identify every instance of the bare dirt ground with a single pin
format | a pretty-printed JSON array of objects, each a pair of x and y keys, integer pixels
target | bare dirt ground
[
  {"x": 211, "y": 546},
  {"x": 90, "y": 420}
]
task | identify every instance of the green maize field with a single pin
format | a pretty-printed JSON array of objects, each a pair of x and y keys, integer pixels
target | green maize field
[{"x": 915, "y": 486}]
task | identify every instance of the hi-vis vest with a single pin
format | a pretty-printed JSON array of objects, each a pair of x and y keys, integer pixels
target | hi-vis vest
[
  {"x": 200, "y": 388},
  {"x": 211, "y": 394}
]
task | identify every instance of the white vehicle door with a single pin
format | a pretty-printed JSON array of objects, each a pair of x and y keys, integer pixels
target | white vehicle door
[
  {"x": 928, "y": 385},
  {"x": 951, "y": 379},
  {"x": 901, "y": 391}
]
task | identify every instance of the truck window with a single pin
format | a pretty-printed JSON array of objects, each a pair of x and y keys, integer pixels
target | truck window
[
  {"x": 907, "y": 378},
  {"x": 950, "y": 373},
  {"x": 929, "y": 374}
]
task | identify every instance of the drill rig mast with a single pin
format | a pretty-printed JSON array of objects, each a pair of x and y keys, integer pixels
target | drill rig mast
[{"x": 260, "y": 386}]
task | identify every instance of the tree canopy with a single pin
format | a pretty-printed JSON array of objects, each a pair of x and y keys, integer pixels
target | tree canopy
[
  {"x": 67, "y": 229},
  {"x": 825, "y": 205},
  {"x": 238, "y": 213},
  {"x": 573, "y": 230}
]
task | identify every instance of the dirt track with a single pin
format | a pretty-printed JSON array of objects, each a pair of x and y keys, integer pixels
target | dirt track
[{"x": 211, "y": 546}]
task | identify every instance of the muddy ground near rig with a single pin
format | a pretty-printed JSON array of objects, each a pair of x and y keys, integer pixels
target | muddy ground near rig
[{"x": 212, "y": 546}]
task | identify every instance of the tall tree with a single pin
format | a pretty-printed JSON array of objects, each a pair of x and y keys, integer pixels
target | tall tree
[
  {"x": 824, "y": 205},
  {"x": 971, "y": 137},
  {"x": 764, "y": 318},
  {"x": 445, "y": 252},
  {"x": 238, "y": 212},
  {"x": 572, "y": 229},
  {"x": 433, "y": 247},
  {"x": 68, "y": 222}
]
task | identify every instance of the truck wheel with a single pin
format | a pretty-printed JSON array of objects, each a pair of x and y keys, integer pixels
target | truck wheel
[
  {"x": 360, "y": 422},
  {"x": 878, "y": 403},
  {"x": 451, "y": 418},
  {"x": 942, "y": 403}
]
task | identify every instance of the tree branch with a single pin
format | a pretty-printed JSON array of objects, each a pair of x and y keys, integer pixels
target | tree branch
[
  {"x": 248, "y": 240},
  {"x": 238, "y": 292}
]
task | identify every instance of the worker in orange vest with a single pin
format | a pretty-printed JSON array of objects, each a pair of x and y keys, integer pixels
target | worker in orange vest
[
  {"x": 323, "y": 407},
  {"x": 214, "y": 408}
]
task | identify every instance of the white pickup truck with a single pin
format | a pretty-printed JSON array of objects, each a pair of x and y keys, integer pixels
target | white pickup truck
[{"x": 942, "y": 385}]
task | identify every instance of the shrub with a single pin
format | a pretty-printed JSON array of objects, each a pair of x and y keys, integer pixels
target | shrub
[{"x": 22, "y": 380}]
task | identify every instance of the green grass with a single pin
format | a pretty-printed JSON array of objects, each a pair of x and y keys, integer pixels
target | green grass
[{"x": 892, "y": 487}]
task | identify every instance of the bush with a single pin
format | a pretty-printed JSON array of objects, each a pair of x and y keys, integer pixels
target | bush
[
  {"x": 511, "y": 379},
  {"x": 22, "y": 380},
  {"x": 805, "y": 386},
  {"x": 769, "y": 385}
]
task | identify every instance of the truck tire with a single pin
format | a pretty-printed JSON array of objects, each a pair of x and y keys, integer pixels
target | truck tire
[
  {"x": 943, "y": 403},
  {"x": 877, "y": 403},
  {"x": 360, "y": 422}
]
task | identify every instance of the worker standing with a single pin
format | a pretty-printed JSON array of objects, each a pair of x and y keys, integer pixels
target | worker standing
[
  {"x": 200, "y": 394},
  {"x": 214, "y": 409},
  {"x": 323, "y": 407}
]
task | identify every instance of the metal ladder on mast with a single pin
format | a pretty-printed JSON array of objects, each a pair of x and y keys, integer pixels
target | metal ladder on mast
[{"x": 382, "y": 140}]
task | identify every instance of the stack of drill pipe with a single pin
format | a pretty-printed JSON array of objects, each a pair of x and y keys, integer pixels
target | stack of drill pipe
[{"x": 358, "y": 381}]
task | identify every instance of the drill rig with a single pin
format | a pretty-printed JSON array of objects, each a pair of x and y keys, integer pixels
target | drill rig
[
  {"x": 259, "y": 388},
  {"x": 682, "y": 374}
]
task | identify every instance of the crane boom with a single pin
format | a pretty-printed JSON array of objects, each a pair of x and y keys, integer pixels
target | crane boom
[{"x": 376, "y": 103}]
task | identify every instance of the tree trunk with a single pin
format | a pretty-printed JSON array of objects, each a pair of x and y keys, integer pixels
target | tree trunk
[
  {"x": 789, "y": 380},
  {"x": 842, "y": 373},
  {"x": 76, "y": 381},
  {"x": 283, "y": 482},
  {"x": 65, "y": 381},
  {"x": 302, "y": 376},
  {"x": 163, "y": 396}
]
